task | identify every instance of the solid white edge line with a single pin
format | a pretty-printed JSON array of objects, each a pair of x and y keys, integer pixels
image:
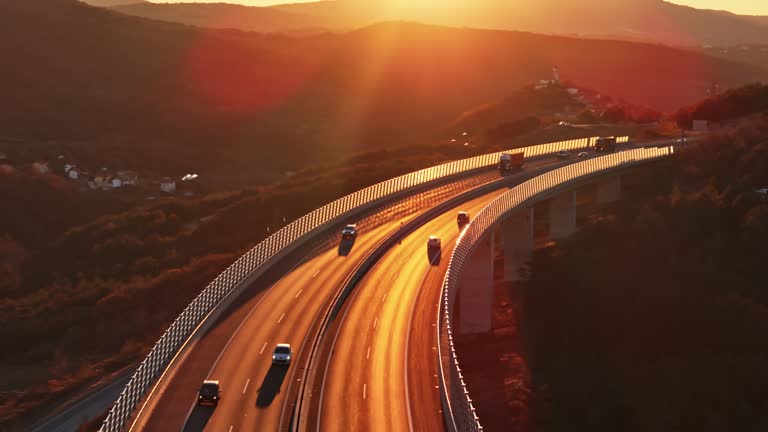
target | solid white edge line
[
  {"x": 263, "y": 348},
  {"x": 242, "y": 323},
  {"x": 246, "y": 385}
]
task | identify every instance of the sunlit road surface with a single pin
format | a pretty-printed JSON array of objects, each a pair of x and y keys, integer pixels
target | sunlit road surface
[
  {"x": 381, "y": 375},
  {"x": 254, "y": 393}
]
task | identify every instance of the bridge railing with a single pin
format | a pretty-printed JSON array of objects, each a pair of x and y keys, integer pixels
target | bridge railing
[
  {"x": 278, "y": 245},
  {"x": 458, "y": 409}
]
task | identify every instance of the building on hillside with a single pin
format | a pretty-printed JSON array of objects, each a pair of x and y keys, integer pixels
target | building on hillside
[
  {"x": 73, "y": 173},
  {"x": 116, "y": 182},
  {"x": 128, "y": 177},
  {"x": 168, "y": 185},
  {"x": 190, "y": 185},
  {"x": 41, "y": 167}
]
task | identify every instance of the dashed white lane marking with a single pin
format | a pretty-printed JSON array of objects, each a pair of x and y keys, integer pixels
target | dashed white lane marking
[
  {"x": 281, "y": 318},
  {"x": 376, "y": 321},
  {"x": 395, "y": 276},
  {"x": 298, "y": 293},
  {"x": 368, "y": 354},
  {"x": 365, "y": 387},
  {"x": 383, "y": 299},
  {"x": 316, "y": 273},
  {"x": 246, "y": 385},
  {"x": 262, "y": 348},
  {"x": 231, "y": 427}
]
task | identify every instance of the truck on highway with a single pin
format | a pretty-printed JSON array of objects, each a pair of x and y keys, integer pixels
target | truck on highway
[
  {"x": 605, "y": 144},
  {"x": 510, "y": 161}
]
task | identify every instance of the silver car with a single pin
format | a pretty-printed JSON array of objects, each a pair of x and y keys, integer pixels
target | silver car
[{"x": 282, "y": 354}]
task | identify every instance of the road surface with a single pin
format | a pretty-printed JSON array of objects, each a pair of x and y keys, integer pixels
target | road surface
[{"x": 381, "y": 373}]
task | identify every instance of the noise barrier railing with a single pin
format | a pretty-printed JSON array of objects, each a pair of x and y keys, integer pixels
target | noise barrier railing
[
  {"x": 278, "y": 245},
  {"x": 458, "y": 409}
]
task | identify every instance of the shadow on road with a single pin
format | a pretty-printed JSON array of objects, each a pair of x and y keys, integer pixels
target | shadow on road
[
  {"x": 271, "y": 384},
  {"x": 199, "y": 418},
  {"x": 434, "y": 256},
  {"x": 345, "y": 247}
]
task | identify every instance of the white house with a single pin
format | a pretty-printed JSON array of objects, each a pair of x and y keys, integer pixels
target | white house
[
  {"x": 40, "y": 167},
  {"x": 116, "y": 183},
  {"x": 168, "y": 185},
  {"x": 73, "y": 173},
  {"x": 128, "y": 177}
]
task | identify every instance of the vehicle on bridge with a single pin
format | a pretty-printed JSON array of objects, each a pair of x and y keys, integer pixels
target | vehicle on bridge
[
  {"x": 210, "y": 393},
  {"x": 510, "y": 161},
  {"x": 433, "y": 243},
  {"x": 462, "y": 219},
  {"x": 605, "y": 144},
  {"x": 562, "y": 155},
  {"x": 282, "y": 354},
  {"x": 349, "y": 232},
  {"x": 583, "y": 155}
]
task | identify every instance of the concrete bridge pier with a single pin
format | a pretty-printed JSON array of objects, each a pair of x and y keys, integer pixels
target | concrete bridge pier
[
  {"x": 562, "y": 215},
  {"x": 517, "y": 238},
  {"x": 475, "y": 308}
]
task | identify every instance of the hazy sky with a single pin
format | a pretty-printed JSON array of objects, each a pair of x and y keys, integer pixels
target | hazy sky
[{"x": 750, "y": 7}]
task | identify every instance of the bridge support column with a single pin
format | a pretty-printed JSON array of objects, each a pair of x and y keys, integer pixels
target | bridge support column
[
  {"x": 609, "y": 190},
  {"x": 476, "y": 289},
  {"x": 562, "y": 215},
  {"x": 517, "y": 234}
]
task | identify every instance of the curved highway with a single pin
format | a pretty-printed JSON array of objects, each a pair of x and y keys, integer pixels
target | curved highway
[
  {"x": 385, "y": 338},
  {"x": 365, "y": 390},
  {"x": 253, "y": 392}
]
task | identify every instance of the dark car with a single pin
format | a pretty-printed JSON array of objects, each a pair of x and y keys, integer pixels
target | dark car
[
  {"x": 462, "y": 219},
  {"x": 562, "y": 155},
  {"x": 349, "y": 232},
  {"x": 210, "y": 393}
]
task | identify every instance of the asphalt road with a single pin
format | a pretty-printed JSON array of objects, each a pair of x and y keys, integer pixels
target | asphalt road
[
  {"x": 381, "y": 374},
  {"x": 284, "y": 313},
  {"x": 253, "y": 391}
]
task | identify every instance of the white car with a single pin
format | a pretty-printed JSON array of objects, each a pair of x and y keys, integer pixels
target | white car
[
  {"x": 282, "y": 354},
  {"x": 583, "y": 154},
  {"x": 682, "y": 140},
  {"x": 433, "y": 242}
]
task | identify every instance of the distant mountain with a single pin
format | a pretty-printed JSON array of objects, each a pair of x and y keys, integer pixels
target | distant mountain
[
  {"x": 111, "y": 3},
  {"x": 634, "y": 20},
  {"x": 220, "y": 15},
  {"x": 651, "y": 20},
  {"x": 136, "y": 93}
]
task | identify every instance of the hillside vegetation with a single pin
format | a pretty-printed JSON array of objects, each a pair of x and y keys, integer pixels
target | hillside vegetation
[
  {"x": 242, "y": 108},
  {"x": 728, "y": 106},
  {"x": 654, "y": 319},
  {"x": 86, "y": 291}
]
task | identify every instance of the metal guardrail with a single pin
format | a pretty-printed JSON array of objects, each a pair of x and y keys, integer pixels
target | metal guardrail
[
  {"x": 459, "y": 411},
  {"x": 276, "y": 246}
]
